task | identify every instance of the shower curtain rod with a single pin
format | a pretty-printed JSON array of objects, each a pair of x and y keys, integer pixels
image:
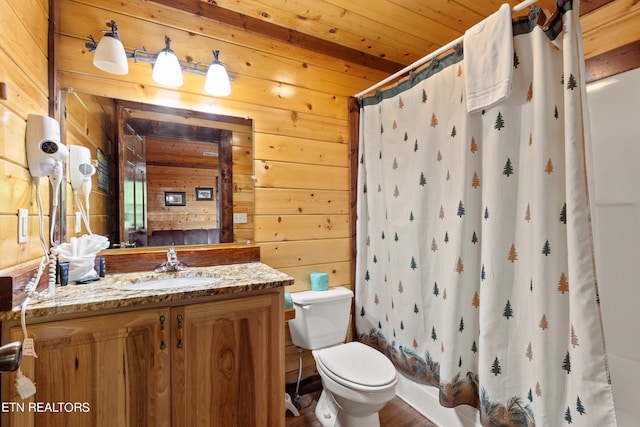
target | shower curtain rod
[{"x": 517, "y": 8}]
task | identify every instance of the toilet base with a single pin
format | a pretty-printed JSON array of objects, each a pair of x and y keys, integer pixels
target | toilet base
[
  {"x": 326, "y": 410},
  {"x": 330, "y": 415}
]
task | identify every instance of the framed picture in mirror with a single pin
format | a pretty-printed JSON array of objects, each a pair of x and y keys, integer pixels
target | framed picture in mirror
[
  {"x": 204, "y": 193},
  {"x": 175, "y": 198}
]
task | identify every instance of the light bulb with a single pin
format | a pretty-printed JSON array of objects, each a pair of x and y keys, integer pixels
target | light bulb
[
  {"x": 167, "y": 70},
  {"x": 217, "y": 81}
]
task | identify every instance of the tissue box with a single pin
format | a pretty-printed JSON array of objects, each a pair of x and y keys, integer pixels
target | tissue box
[
  {"x": 319, "y": 281},
  {"x": 288, "y": 301}
]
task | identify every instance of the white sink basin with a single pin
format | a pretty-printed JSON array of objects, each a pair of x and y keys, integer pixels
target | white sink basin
[{"x": 174, "y": 282}]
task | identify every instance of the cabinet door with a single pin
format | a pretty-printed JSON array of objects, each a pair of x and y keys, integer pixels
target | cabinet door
[
  {"x": 228, "y": 363},
  {"x": 111, "y": 370}
]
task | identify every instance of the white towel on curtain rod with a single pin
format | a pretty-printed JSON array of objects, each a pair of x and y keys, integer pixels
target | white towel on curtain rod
[
  {"x": 517, "y": 8},
  {"x": 488, "y": 58}
]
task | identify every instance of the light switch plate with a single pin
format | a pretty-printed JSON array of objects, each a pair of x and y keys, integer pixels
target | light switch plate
[
  {"x": 239, "y": 218},
  {"x": 23, "y": 225}
]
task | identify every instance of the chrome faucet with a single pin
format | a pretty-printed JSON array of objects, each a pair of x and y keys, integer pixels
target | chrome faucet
[
  {"x": 171, "y": 264},
  {"x": 126, "y": 244}
]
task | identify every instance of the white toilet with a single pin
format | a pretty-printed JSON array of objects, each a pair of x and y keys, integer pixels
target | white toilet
[{"x": 357, "y": 380}]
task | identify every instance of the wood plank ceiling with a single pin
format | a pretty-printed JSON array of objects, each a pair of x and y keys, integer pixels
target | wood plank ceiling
[{"x": 390, "y": 34}]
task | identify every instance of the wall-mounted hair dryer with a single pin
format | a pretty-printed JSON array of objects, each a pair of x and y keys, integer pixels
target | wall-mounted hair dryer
[
  {"x": 80, "y": 168},
  {"x": 80, "y": 172},
  {"x": 45, "y": 155},
  {"x": 44, "y": 148}
]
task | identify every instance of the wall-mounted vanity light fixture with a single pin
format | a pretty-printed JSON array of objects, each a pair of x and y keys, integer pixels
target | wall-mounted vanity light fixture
[{"x": 111, "y": 56}]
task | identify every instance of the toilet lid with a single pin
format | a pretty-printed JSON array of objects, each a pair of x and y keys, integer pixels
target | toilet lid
[{"x": 358, "y": 363}]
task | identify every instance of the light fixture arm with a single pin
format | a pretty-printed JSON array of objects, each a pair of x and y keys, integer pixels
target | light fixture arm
[
  {"x": 146, "y": 56},
  {"x": 216, "y": 53},
  {"x": 91, "y": 45},
  {"x": 113, "y": 31},
  {"x": 167, "y": 45}
]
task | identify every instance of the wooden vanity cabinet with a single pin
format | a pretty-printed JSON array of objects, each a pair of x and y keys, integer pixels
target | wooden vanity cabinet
[
  {"x": 218, "y": 363},
  {"x": 111, "y": 366},
  {"x": 241, "y": 381}
]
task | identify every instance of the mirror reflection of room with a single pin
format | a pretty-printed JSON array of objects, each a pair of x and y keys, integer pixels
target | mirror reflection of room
[{"x": 164, "y": 176}]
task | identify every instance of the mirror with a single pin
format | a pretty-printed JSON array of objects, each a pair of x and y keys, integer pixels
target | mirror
[{"x": 164, "y": 175}]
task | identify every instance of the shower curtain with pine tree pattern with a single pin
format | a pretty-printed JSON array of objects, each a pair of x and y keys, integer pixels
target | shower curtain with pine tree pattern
[{"x": 475, "y": 269}]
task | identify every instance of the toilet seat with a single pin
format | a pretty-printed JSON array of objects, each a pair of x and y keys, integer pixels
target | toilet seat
[{"x": 357, "y": 366}]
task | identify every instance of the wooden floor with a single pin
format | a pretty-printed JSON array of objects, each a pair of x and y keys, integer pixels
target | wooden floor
[{"x": 395, "y": 414}]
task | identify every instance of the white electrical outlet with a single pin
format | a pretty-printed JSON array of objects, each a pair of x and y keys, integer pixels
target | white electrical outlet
[
  {"x": 239, "y": 218},
  {"x": 23, "y": 225}
]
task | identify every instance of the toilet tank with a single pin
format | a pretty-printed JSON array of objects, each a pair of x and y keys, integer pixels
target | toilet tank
[{"x": 322, "y": 317}]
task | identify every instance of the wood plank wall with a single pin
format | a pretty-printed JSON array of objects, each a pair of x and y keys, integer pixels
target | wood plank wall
[
  {"x": 296, "y": 97},
  {"x": 24, "y": 28},
  {"x": 160, "y": 178}
]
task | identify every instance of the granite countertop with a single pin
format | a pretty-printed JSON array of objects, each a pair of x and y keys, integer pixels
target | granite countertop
[{"x": 111, "y": 291}]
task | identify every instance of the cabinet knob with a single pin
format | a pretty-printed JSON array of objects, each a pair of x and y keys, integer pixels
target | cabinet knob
[
  {"x": 179, "y": 331},
  {"x": 162, "y": 344}
]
